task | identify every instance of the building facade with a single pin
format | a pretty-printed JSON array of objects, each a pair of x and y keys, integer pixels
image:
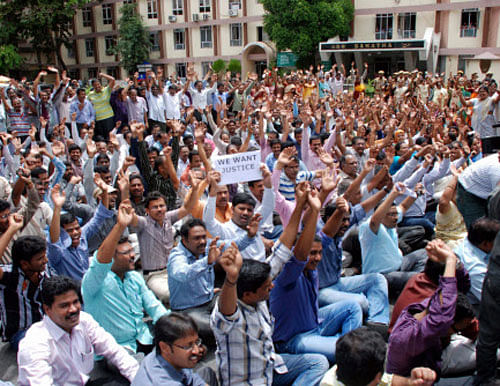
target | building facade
[
  {"x": 181, "y": 32},
  {"x": 432, "y": 35}
]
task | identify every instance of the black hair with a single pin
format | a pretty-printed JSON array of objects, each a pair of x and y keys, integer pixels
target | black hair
[
  {"x": 159, "y": 162},
  {"x": 243, "y": 198},
  {"x": 58, "y": 285},
  {"x": 79, "y": 90},
  {"x": 274, "y": 142},
  {"x": 252, "y": 183},
  {"x": 235, "y": 140},
  {"x": 253, "y": 274},
  {"x": 25, "y": 247},
  {"x": 67, "y": 218},
  {"x": 135, "y": 176},
  {"x": 123, "y": 240},
  {"x": 192, "y": 153},
  {"x": 398, "y": 145},
  {"x": 483, "y": 229},
  {"x": 35, "y": 173},
  {"x": 153, "y": 149},
  {"x": 463, "y": 308},
  {"x": 173, "y": 326},
  {"x": 194, "y": 222},
  {"x": 152, "y": 196},
  {"x": 313, "y": 137},
  {"x": 72, "y": 147},
  {"x": 360, "y": 356},
  {"x": 101, "y": 169},
  {"x": 4, "y": 205},
  {"x": 433, "y": 270},
  {"x": 286, "y": 144},
  {"x": 99, "y": 158},
  {"x": 357, "y": 139}
]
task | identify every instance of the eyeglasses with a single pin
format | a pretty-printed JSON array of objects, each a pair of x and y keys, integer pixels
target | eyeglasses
[{"x": 197, "y": 343}]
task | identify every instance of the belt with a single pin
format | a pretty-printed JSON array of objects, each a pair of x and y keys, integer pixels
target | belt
[{"x": 147, "y": 272}]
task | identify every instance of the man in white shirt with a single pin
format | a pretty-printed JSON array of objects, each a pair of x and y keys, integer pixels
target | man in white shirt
[{"x": 60, "y": 349}]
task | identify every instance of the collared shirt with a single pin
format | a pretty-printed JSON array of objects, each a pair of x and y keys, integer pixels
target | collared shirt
[
  {"x": 190, "y": 278},
  {"x": 330, "y": 379},
  {"x": 287, "y": 187},
  {"x": 156, "y": 241},
  {"x": 136, "y": 109},
  {"x": 417, "y": 343},
  {"x": 156, "y": 107},
  {"x": 200, "y": 98},
  {"x": 86, "y": 114},
  {"x": 118, "y": 306},
  {"x": 310, "y": 158},
  {"x": 475, "y": 262},
  {"x": 70, "y": 261},
  {"x": 172, "y": 105},
  {"x": 379, "y": 251},
  {"x": 48, "y": 355},
  {"x": 482, "y": 176},
  {"x": 101, "y": 103},
  {"x": 330, "y": 266},
  {"x": 156, "y": 371},
  {"x": 19, "y": 121},
  {"x": 20, "y": 301},
  {"x": 294, "y": 300},
  {"x": 230, "y": 231},
  {"x": 120, "y": 108}
]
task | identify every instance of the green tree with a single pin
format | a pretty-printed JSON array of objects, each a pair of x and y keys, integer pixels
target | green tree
[
  {"x": 234, "y": 66},
  {"x": 45, "y": 24},
  {"x": 219, "y": 66},
  {"x": 9, "y": 58},
  {"x": 133, "y": 39},
  {"x": 300, "y": 25}
]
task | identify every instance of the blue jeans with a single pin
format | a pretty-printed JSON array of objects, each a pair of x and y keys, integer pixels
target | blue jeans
[
  {"x": 16, "y": 338},
  {"x": 370, "y": 291},
  {"x": 303, "y": 369},
  {"x": 335, "y": 320}
]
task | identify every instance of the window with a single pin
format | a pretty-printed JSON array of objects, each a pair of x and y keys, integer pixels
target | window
[
  {"x": 407, "y": 25},
  {"x": 128, "y": 1},
  {"x": 234, "y": 4},
  {"x": 179, "y": 39},
  {"x": 74, "y": 74},
  {"x": 205, "y": 67},
  {"x": 178, "y": 7},
  {"x": 206, "y": 37},
  {"x": 89, "y": 47},
  {"x": 154, "y": 38},
  {"x": 107, "y": 14},
  {"x": 180, "y": 69},
  {"x": 92, "y": 71},
  {"x": 204, "y": 6},
  {"x": 112, "y": 71},
  {"x": 383, "y": 26},
  {"x": 152, "y": 9},
  {"x": 71, "y": 51},
  {"x": 87, "y": 16},
  {"x": 469, "y": 23},
  {"x": 235, "y": 35},
  {"x": 109, "y": 42},
  {"x": 262, "y": 36}
]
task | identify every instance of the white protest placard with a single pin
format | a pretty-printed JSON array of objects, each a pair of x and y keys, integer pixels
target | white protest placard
[{"x": 240, "y": 167}]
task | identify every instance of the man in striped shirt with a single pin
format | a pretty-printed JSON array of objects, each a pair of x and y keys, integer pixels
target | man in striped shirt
[
  {"x": 20, "y": 302},
  {"x": 243, "y": 325},
  {"x": 18, "y": 119},
  {"x": 100, "y": 98}
]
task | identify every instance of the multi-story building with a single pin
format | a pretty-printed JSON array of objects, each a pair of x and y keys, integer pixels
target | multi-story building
[
  {"x": 431, "y": 35},
  {"x": 181, "y": 31}
]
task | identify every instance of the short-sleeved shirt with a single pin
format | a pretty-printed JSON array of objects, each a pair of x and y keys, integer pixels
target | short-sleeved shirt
[
  {"x": 287, "y": 187},
  {"x": 380, "y": 252},
  {"x": 101, "y": 103}
]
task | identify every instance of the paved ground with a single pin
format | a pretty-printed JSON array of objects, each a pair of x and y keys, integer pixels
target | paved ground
[{"x": 8, "y": 364}]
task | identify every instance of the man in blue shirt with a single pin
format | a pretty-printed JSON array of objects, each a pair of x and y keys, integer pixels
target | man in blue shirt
[
  {"x": 115, "y": 294},
  {"x": 369, "y": 290},
  {"x": 301, "y": 326},
  {"x": 177, "y": 350},
  {"x": 85, "y": 113},
  {"x": 191, "y": 276},
  {"x": 68, "y": 251}
]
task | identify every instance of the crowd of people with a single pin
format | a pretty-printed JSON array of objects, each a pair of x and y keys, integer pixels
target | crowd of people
[{"x": 125, "y": 260}]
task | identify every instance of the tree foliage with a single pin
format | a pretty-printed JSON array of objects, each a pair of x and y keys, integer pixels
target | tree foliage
[
  {"x": 234, "y": 66},
  {"x": 219, "y": 66},
  {"x": 45, "y": 24},
  {"x": 133, "y": 39},
  {"x": 300, "y": 25},
  {"x": 9, "y": 58}
]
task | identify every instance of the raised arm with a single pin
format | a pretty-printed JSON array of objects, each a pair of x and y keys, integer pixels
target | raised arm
[
  {"x": 58, "y": 198},
  {"x": 231, "y": 261},
  {"x": 334, "y": 223},
  {"x": 306, "y": 238},
  {"x": 15, "y": 224},
  {"x": 383, "y": 208},
  {"x": 109, "y": 78}
]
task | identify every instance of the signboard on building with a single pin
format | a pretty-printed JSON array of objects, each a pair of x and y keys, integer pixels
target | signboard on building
[
  {"x": 383, "y": 45},
  {"x": 286, "y": 59}
]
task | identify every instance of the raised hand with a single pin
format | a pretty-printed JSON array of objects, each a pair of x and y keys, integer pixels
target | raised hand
[
  {"x": 99, "y": 182},
  {"x": 422, "y": 376},
  {"x": 253, "y": 225},
  {"x": 329, "y": 179},
  {"x": 326, "y": 158},
  {"x": 266, "y": 176},
  {"x": 231, "y": 262},
  {"x": 438, "y": 251},
  {"x": 213, "y": 178},
  {"x": 16, "y": 222},
  {"x": 123, "y": 182},
  {"x": 91, "y": 147},
  {"x": 214, "y": 251},
  {"x": 301, "y": 191},
  {"x": 74, "y": 180},
  {"x": 313, "y": 200},
  {"x": 57, "y": 148},
  {"x": 285, "y": 156},
  {"x": 58, "y": 197},
  {"x": 129, "y": 161},
  {"x": 125, "y": 213},
  {"x": 370, "y": 164},
  {"x": 342, "y": 205}
]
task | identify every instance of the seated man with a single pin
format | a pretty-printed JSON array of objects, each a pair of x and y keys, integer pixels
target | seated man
[
  {"x": 177, "y": 350},
  {"x": 243, "y": 326},
  {"x": 365, "y": 349},
  {"x": 243, "y": 211},
  {"x": 474, "y": 253},
  {"x": 369, "y": 290},
  {"x": 68, "y": 251},
  {"x": 417, "y": 335},
  {"x": 20, "y": 286},
  {"x": 60, "y": 349},
  {"x": 191, "y": 273},
  {"x": 301, "y": 326},
  {"x": 115, "y": 294},
  {"x": 379, "y": 243}
]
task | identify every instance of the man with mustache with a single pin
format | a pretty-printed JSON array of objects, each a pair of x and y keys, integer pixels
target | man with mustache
[
  {"x": 60, "y": 349},
  {"x": 115, "y": 294}
]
